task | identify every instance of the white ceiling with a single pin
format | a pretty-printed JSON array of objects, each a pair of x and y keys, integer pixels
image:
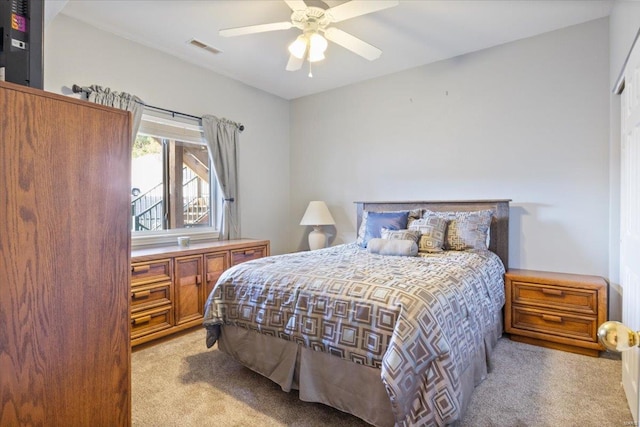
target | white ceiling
[{"x": 414, "y": 33}]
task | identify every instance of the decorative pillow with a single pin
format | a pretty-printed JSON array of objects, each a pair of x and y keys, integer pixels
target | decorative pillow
[
  {"x": 412, "y": 235},
  {"x": 432, "y": 229},
  {"x": 413, "y": 215},
  {"x": 376, "y": 221},
  {"x": 362, "y": 231},
  {"x": 465, "y": 230},
  {"x": 395, "y": 247}
]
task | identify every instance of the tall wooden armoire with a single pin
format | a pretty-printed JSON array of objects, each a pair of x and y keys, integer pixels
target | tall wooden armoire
[{"x": 64, "y": 261}]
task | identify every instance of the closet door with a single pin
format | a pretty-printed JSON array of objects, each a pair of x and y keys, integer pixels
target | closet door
[
  {"x": 64, "y": 261},
  {"x": 630, "y": 223}
]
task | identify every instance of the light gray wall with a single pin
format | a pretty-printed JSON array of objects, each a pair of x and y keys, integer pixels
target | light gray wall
[
  {"x": 624, "y": 24},
  {"x": 527, "y": 120},
  {"x": 78, "y": 53}
]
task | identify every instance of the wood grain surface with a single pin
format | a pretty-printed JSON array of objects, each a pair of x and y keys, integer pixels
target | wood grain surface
[{"x": 64, "y": 261}]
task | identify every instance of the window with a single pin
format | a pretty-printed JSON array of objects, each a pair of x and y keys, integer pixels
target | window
[{"x": 173, "y": 188}]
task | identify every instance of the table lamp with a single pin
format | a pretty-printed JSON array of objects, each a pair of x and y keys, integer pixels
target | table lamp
[{"x": 317, "y": 214}]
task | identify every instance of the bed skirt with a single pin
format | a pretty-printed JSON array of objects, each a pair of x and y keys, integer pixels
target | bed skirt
[{"x": 339, "y": 383}]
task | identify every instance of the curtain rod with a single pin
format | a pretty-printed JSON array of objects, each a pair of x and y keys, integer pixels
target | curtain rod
[{"x": 79, "y": 89}]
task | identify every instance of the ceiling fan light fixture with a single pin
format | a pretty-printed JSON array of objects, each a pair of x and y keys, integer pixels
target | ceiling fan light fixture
[
  {"x": 315, "y": 56},
  {"x": 315, "y": 22},
  {"x": 318, "y": 43},
  {"x": 317, "y": 47},
  {"x": 299, "y": 47}
]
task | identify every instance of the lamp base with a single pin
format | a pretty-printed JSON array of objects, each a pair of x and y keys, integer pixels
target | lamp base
[{"x": 317, "y": 239}]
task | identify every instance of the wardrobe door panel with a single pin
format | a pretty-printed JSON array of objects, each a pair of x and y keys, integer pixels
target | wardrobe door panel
[{"x": 64, "y": 263}]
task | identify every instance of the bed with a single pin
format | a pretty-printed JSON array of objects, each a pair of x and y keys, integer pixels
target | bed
[{"x": 393, "y": 340}]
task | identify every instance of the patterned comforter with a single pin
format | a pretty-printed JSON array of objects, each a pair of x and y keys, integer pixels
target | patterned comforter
[{"x": 421, "y": 320}]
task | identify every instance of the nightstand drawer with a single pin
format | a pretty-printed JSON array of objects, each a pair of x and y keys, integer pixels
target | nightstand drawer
[
  {"x": 553, "y": 296},
  {"x": 248, "y": 254},
  {"x": 555, "y": 310},
  {"x": 152, "y": 271},
  {"x": 556, "y": 323},
  {"x": 148, "y": 296}
]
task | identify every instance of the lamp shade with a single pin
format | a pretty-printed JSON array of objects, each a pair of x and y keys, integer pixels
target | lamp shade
[
  {"x": 317, "y": 213},
  {"x": 317, "y": 46},
  {"x": 299, "y": 47}
]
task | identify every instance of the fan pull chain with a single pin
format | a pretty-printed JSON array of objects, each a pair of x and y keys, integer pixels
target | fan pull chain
[{"x": 310, "y": 73}]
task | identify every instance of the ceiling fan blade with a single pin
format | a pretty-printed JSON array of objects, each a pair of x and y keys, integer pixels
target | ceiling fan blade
[
  {"x": 294, "y": 63},
  {"x": 352, "y": 43},
  {"x": 240, "y": 31},
  {"x": 354, "y": 8},
  {"x": 296, "y": 4}
]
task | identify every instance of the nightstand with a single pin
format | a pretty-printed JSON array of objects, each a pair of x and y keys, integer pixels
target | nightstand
[{"x": 555, "y": 310}]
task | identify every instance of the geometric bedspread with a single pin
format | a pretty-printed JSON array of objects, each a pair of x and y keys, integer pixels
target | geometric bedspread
[{"x": 420, "y": 320}]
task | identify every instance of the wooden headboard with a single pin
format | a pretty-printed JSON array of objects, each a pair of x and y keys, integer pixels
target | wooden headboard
[{"x": 499, "y": 232}]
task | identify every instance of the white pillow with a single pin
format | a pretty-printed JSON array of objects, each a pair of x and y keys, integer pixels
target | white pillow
[{"x": 394, "y": 247}]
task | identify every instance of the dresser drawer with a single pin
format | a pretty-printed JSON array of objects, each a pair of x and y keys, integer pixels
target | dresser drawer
[
  {"x": 241, "y": 255},
  {"x": 150, "y": 321},
  {"x": 555, "y": 297},
  {"x": 150, "y": 295},
  {"x": 563, "y": 324},
  {"x": 152, "y": 271}
]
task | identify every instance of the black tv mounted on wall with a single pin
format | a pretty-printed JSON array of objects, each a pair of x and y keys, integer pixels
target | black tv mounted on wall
[{"x": 21, "y": 42}]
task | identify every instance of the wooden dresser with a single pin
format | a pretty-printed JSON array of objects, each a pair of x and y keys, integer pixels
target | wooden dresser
[
  {"x": 65, "y": 247},
  {"x": 170, "y": 285},
  {"x": 555, "y": 310}
]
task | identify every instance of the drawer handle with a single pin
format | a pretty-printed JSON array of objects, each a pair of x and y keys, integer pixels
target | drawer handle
[
  {"x": 141, "y": 294},
  {"x": 211, "y": 277},
  {"x": 141, "y": 320},
  {"x": 140, "y": 268},
  {"x": 249, "y": 252},
  {"x": 555, "y": 319},
  {"x": 555, "y": 292}
]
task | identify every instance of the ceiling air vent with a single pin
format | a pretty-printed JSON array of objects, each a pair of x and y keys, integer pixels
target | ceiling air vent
[{"x": 203, "y": 45}]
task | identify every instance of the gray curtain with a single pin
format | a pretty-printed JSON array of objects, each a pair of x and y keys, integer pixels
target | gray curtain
[
  {"x": 121, "y": 100},
  {"x": 222, "y": 139}
]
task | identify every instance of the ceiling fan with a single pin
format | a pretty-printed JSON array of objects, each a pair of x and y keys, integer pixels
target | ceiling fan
[{"x": 315, "y": 21}]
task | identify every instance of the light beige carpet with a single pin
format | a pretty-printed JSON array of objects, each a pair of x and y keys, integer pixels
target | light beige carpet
[{"x": 179, "y": 382}]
